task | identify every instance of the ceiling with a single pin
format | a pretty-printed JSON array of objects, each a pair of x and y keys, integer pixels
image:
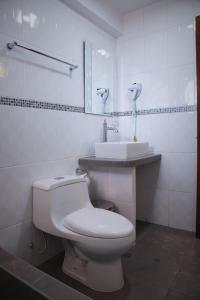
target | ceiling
[{"x": 125, "y": 6}]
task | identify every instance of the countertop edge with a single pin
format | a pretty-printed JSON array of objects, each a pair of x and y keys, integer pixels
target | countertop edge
[{"x": 92, "y": 161}]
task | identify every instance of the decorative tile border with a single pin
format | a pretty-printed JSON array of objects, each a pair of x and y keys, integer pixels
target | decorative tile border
[
  {"x": 63, "y": 107},
  {"x": 122, "y": 113},
  {"x": 164, "y": 110},
  {"x": 39, "y": 104}
]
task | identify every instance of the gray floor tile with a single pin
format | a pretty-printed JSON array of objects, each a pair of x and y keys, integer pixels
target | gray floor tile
[
  {"x": 147, "y": 292},
  {"x": 187, "y": 283},
  {"x": 190, "y": 264},
  {"x": 174, "y": 295}
]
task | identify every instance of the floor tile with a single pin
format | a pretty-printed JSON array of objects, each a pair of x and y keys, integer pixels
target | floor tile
[
  {"x": 187, "y": 283},
  {"x": 190, "y": 264},
  {"x": 173, "y": 295}
]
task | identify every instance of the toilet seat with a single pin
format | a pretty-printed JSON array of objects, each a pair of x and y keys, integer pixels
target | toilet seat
[{"x": 99, "y": 223}]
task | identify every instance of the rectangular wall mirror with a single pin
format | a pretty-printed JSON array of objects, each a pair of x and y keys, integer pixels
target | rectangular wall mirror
[{"x": 98, "y": 80}]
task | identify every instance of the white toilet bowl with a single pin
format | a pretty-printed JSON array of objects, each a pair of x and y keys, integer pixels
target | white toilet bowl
[{"x": 94, "y": 239}]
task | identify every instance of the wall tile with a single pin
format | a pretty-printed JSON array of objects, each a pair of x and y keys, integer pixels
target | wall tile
[
  {"x": 155, "y": 17},
  {"x": 182, "y": 132},
  {"x": 48, "y": 140},
  {"x": 168, "y": 76},
  {"x": 142, "y": 128},
  {"x": 142, "y": 204},
  {"x": 180, "y": 45},
  {"x": 11, "y": 18},
  {"x": 181, "y": 81},
  {"x": 52, "y": 80},
  {"x": 155, "y": 90},
  {"x": 181, "y": 210},
  {"x": 181, "y": 172},
  {"x": 11, "y": 70},
  {"x": 155, "y": 51},
  {"x": 37, "y": 25},
  {"x": 41, "y": 143},
  {"x": 16, "y": 188},
  {"x": 40, "y": 22},
  {"x": 133, "y": 24},
  {"x": 132, "y": 56},
  {"x": 154, "y": 175},
  {"x": 102, "y": 189},
  {"x": 16, "y": 240},
  {"x": 155, "y": 130},
  {"x": 125, "y": 128},
  {"x": 158, "y": 210},
  {"x": 179, "y": 12}
]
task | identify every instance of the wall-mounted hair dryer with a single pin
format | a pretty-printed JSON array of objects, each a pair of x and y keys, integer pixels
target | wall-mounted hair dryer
[
  {"x": 135, "y": 89},
  {"x": 103, "y": 94}
]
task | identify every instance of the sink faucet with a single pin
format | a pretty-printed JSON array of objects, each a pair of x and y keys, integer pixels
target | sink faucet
[{"x": 105, "y": 130}]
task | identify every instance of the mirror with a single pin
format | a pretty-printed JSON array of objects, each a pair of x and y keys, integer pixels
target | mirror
[{"x": 98, "y": 80}]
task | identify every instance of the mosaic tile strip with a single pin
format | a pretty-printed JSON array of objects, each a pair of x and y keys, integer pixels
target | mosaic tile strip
[
  {"x": 164, "y": 110},
  {"x": 63, "y": 107},
  {"x": 39, "y": 104},
  {"x": 122, "y": 114}
]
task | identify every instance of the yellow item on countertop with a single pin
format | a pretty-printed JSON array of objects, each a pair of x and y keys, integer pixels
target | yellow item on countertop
[{"x": 134, "y": 138}]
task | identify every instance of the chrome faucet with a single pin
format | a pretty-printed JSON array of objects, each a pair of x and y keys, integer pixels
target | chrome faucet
[{"x": 105, "y": 130}]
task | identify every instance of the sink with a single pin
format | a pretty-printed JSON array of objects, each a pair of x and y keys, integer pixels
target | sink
[{"x": 120, "y": 150}]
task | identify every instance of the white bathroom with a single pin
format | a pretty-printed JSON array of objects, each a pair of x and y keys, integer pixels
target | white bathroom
[{"x": 99, "y": 149}]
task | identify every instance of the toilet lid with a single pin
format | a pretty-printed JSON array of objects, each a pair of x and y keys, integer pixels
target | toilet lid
[{"x": 96, "y": 222}]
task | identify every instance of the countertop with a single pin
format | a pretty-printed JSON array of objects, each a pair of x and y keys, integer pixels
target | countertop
[{"x": 140, "y": 160}]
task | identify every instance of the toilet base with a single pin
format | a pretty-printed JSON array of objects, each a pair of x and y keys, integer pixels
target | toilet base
[{"x": 102, "y": 276}]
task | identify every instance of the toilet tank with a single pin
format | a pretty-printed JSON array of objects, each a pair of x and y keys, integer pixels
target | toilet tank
[{"x": 54, "y": 198}]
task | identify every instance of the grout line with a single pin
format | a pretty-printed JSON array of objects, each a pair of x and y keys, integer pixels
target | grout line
[
  {"x": 39, "y": 278},
  {"x": 40, "y": 162},
  {"x": 17, "y": 224}
]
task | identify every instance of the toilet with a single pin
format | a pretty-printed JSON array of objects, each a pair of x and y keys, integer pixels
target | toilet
[{"x": 94, "y": 238}]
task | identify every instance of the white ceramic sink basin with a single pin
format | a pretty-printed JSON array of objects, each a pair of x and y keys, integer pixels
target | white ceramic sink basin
[{"x": 120, "y": 150}]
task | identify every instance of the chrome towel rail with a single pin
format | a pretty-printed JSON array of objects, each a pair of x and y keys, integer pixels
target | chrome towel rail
[{"x": 11, "y": 45}]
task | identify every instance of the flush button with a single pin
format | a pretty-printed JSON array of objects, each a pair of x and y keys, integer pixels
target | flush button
[{"x": 59, "y": 178}]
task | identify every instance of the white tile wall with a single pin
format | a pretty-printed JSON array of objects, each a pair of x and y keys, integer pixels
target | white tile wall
[
  {"x": 155, "y": 57},
  {"x": 47, "y": 133},
  {"x": 174, "y": 136},
  {"x": 159, "y": 185},
  {"x": 181, "y": 210},
  {"x": 155, "y": 17},
  {"x": 181, "y": 172},
  {"x": 58, "y": 31},
  {"x": 181, "y": 85},
  {"x": 133, "y": 24},
  {"x": 180, "y": 45},
  {"x": 158, "y": 211},
  {"x": 41, "y": 143},
  {"x": 166, "y": 68},
  {"x": 16, "y": 239},
  {"x": 182, "y": 132},
  {"x": 157, "y": 49}
]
